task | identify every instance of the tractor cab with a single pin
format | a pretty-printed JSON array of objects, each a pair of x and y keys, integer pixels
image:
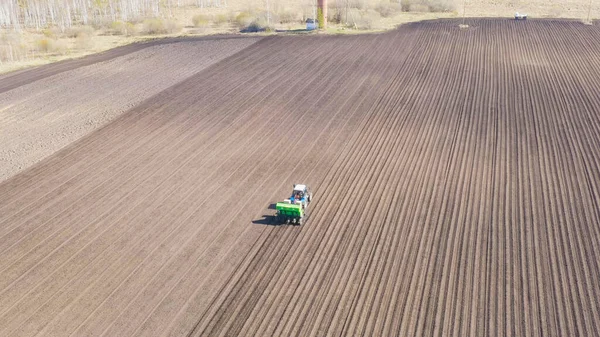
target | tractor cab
[
  {"x": 300, "y": 195},
  {"x": 299, "y": 191}
]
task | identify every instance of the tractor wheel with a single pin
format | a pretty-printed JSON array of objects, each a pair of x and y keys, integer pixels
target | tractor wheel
[{"x": 299, "y": 222}]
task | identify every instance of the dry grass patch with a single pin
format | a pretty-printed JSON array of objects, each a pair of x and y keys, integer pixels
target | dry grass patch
[
  {"x": 157, "y": 26},
  {"x": 123, "y": 28}
]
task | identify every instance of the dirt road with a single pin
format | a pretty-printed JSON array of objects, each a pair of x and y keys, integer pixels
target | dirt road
[{"x": 455, "y": 187}]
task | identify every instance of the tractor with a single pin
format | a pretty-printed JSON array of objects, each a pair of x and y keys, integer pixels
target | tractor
[{"x": 293, "y": 210}]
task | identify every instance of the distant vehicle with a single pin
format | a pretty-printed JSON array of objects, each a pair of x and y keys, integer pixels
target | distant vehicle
[
  {"x": 519, "y": 16},
  {"x": 293, "y": 210},
  {"x": 312, "y": 24}
]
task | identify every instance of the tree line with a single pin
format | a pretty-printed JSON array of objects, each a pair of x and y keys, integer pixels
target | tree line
[{"x": 38, "y": 14}]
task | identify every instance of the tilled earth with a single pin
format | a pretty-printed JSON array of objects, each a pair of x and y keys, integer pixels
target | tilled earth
[
  {"x": 45, "y": 109},
  {"x": 455, "y": 179}
]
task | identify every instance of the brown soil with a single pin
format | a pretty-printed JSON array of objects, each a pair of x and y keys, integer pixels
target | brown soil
[
  {"x": 455, "y": 187},
  {"x": 48, "y": 107},
  {"x": 21, "y": 77}
]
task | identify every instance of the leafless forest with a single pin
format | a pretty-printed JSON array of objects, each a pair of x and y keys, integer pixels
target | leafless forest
[{"x": 66, "y": 13}]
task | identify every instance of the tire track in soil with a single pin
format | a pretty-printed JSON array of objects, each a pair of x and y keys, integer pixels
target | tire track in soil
[
  {"x": 255, "y": 259},
  {"x": 346, "y": 200},
  {"x": 289, "y": 123},
  {"x": 300, "y": 81},
  {"x": 227, "y": 306},
  {"x": 489, "y": 319}
]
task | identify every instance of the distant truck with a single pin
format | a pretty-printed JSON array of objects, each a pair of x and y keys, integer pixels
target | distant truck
[
  {"x": 312, "y": 24},
  {"x": 519, "y": 16},
  {"x": 293, "y": 210}
]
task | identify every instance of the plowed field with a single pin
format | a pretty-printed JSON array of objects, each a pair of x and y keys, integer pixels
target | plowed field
[
  {"x": 455, "y": 179},
  {"x": 44, "y": 109}
]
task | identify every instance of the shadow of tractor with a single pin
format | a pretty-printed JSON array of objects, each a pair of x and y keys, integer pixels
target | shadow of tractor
[{"x": 268, "y": 219}]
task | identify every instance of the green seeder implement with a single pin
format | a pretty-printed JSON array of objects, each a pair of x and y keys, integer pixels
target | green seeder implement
[{"x": 287, "y": 213}]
